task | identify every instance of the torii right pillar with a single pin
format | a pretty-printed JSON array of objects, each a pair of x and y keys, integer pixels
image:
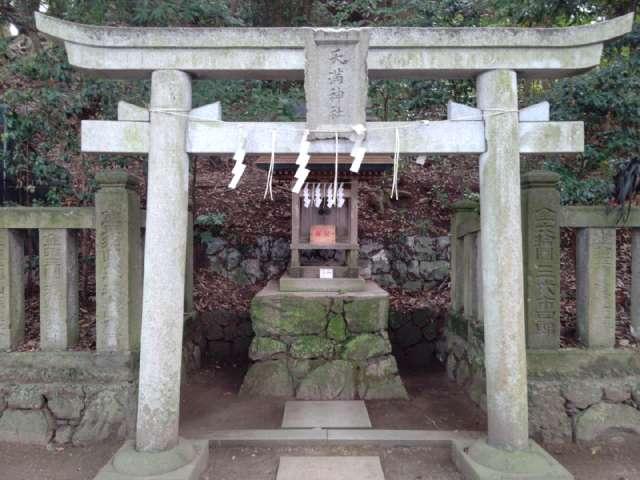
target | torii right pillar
[{"x": 506, "y": 452}]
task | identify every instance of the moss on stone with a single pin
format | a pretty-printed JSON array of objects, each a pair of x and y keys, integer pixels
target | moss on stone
[
  {"x": 367, "y": 315},
  {"x": 291, "y": 315},
  {"x": 263, "y": 348},
  {"x": 332, "y": 381},
  {"x": 366, "y": 346},
  {"x": 336, "y": 328},
  {"x": 311, "y": 346}
]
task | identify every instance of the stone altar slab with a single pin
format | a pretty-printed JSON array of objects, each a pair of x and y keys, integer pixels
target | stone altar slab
[
  {"x": 331, "y": 414},
  {"x": 330, "y": 468}
]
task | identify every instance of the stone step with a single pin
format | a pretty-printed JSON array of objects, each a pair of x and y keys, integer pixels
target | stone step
[
  {"x": 330, "y": 468},
  {"x": 334, "y": 436},
  {"x": 326, "y": 414}
]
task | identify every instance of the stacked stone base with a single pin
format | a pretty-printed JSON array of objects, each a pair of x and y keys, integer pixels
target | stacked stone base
[
  {"x": 66, "y": 397},
  {"x": 322, "y": 346},
  {"x": 574, "y": 394}
]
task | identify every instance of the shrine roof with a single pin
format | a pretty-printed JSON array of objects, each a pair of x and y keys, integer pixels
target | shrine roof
[{"x": 394, "y": 52}]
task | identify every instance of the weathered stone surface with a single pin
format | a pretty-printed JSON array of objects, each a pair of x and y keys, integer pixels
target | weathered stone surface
[
  {"x": 548, "y": 419},
  {"x": 104, "y": 417},
  {"x": 582, "y": 394},
  {"x": 310, "y": 346},
  {"x": 367, "y": 315},
  {"x": 332, "y": 381},
  {"x": 268, "y": 379},
  {"x": 12, "y": 293},
  {"x": 118, "y": 262},
  {"x": 26, "y": 426},
  {"x": 596, "y": 286},
  {"x": 63, "y": 434},
  {"x": 251, "y": 268},
  {"x": 541, "y": 235},
  {"x": 605, "y": 418},
  {"x": 366, "y": 346},
  {"x": 232, "y": 258},
  {"x": 288, "y": 315},
  {"x": 215, "y": 245},
  {"x": 59, "y": 308},
  {"x": 382, "y": 389},
  {"x": 25, "y": 397},
  {"x": 66, "y": 402},
  {"x": 263, "y": 348},
  {"x": 381, "y": 367},
  {"x": 617, "y": 393},
  {"x": 336, "y": 328}
]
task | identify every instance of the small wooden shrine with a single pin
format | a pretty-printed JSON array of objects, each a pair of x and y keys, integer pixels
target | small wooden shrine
[{"x": 323, "y": 218}]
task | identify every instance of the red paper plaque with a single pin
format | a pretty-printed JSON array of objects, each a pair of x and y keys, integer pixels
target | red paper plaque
[{"x": 322, "y": 235}]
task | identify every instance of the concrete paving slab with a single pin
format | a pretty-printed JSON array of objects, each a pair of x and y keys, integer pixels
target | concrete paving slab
[
  {"x": 330, "y": 468},
  {"x": 326, "y": 414},
  {"x": 398, "y": 438}
]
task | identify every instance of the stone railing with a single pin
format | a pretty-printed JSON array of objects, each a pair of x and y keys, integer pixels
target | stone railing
[
  {"x": 574, "y": 393},
  {"x": 542, "y": 219},
  {"x": 59, "y": 394},
  {"x": 118, "y": 222}
]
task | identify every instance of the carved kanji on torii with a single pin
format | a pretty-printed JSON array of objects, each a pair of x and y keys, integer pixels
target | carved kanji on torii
[{"x": 336, "y": 65}]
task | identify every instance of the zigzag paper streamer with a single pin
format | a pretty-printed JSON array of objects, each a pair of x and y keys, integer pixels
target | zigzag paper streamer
[
  {"x": 303, "y": 159},
  {"x": 358, "y": 151},
  {"x": 239, "y": 167}
]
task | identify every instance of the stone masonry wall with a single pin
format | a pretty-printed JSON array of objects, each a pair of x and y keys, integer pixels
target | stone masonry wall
[
  {"x": 574, "y": 394},
  {"x": 413, "y": 263},
  {"x": 322, "y": 346},
  {"x": 66, "y": 398}
]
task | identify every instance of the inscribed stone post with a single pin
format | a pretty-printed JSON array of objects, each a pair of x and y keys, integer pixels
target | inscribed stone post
[
  {"x": 541, "y": 249},
  {"x": 11, "y": 289},
  {"x": 336, "y": 82},
  {"x": 59, "y": 308},
  {"x": 118, "y": 264},
  {"x": 596, "y": 286}
]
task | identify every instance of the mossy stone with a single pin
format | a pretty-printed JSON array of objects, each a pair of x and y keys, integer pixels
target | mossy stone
[
  {"x": 367, "y": 315},
  {"x": 331, "y": 381},
  {"x": 291, "y": 315},
  {"x": 311, "y": 346},
  {"x": 366, "y": 346},
  {"x": 263, "y": 348},
  {"x": 268, "y": 379},
  {"x": 336, "y": 328}
]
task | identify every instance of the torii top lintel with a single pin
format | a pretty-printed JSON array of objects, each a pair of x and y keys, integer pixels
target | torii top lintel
[{"x": 278, "y": 53}]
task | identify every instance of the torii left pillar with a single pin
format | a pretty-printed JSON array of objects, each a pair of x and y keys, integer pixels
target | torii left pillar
[{"x": 158, "y": 450}]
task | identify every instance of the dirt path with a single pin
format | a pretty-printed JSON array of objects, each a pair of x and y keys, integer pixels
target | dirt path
[{"x": 210, "y": 402}]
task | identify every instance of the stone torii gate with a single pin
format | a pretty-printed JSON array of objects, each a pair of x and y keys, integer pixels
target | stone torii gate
[{"x": 336, "y": 65}]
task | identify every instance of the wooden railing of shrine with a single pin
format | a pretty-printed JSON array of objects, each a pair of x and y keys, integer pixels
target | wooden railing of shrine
[
  {"x": 118, "y": 222},
  {"x": 543, "y": 217}
]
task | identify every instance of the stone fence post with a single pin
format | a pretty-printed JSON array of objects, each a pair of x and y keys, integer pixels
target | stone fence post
[
  {"x": 11, "y": 289},
  {"x": 118, "y": 262},
  {"x": 541, "y": 249},
  {"x": 464, "y": 211},
  {"x": 59, "y": 302},
  {"x": 596, "y": 286}
]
